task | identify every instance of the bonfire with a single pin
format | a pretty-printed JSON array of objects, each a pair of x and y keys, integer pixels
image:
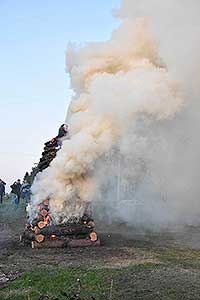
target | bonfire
[{"x": 43, "y": 233}]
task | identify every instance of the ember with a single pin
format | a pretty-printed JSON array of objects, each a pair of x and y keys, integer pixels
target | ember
[{"x": 43, "y": 233}]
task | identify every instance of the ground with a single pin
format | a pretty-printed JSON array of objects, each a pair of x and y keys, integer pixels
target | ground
[{"x": 126, "y": 266}]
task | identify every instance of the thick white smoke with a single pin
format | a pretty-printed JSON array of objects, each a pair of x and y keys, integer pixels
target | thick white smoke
[{"x": 125, "y": 97}]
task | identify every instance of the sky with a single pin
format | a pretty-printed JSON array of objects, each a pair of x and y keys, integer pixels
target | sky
[{"x": 34, "y": 86}]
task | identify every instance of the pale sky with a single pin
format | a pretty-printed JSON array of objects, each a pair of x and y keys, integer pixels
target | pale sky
[{"x": 34, "y": 87}]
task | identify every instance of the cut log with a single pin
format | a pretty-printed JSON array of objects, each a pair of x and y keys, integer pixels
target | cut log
[
  {"x": 93, "y": 236},
  {"x": 53, "y": 237},
  {"x": 41, "y": 224},
  {"x": 65, "y": 230},
  {"x": 37, "y": 220},
  {"x": 44, "y": 212},
  {"x": 74, "y": 243},
  {"x": 49, "y": 244},
  {"x": 39, "y": 238}
]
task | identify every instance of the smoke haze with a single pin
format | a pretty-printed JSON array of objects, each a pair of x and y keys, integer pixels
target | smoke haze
[{"x": 133, "y": 122}]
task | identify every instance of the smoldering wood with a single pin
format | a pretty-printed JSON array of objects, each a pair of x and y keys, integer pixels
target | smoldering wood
[
  {"x": 65, "y": 230},
  {"x": 37, "y": 220},
  {"x": 41, "y": 224},
  {"x": 65, "y": 243},
  {"x": 39, "y": 238},
  {"x": 93, "y": 236}
]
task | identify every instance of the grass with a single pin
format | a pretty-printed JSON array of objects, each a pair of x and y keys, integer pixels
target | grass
[
  {"x": 145, "y": 281},
  {"x": 185, "y": 258},
  {"x": 66, "y": 283}
]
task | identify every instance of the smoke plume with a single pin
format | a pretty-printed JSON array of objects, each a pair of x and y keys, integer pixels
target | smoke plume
[{"x": 133, "y": 148}]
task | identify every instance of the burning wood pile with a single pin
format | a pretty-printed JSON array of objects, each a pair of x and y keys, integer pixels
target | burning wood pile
[{"x": 43, "y": 233}]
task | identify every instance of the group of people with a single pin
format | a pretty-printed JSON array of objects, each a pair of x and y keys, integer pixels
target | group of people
[{"x": 18, "y": 191}]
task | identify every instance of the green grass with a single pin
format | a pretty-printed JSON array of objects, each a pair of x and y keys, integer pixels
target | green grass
[
  {"x": 63, "y": 283},
  {"x": 166, "y": 280},
  {"x": 185, "y": 258}
]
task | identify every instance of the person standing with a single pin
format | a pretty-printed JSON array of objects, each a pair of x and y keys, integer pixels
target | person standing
[
  {"x": 16, "y": 190},
  {"x": 26, "y": 191},
  {"x": 2, "y": 190}
]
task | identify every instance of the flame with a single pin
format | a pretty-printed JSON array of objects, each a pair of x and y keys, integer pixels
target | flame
[
  {"x": 53, "y": 237},
  {"x": 46, "y": 219}
]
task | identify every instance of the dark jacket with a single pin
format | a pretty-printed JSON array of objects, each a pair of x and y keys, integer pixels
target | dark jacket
[
  {"x": 2, "y": 188},
  {"x": 62, "y": 131},
  {"x": 16, "y": 188}
]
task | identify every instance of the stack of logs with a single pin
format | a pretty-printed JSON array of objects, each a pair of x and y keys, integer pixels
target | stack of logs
[
  {"x": 42, "y": 233},
  {"x": 49, "y": 153}
]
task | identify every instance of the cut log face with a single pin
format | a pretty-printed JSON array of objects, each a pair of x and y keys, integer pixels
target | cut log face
[
  {"x": 53, "y": 237},
  {"x": 42, "y": 224},
  {"x": 44, "y": 212},
  {"x": 93, "y": 236},
  {"x": 39, "y": 238}
]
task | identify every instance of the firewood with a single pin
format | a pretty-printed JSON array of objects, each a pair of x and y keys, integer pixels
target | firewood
[
  {"x": 65, "y": 230},
  {"x": 49, "y": 244},
  {"x": 74, "y": 243},
  {"x": 44, "y": 212},
  {"x": 93, "y": 236},
  {"x": 39, "y": 238},
  {"x": 37, "y": 220},
  {"x": 41, "y": 224},
  {"x": 36, "y": 230},
  {"x": 53, "y": 237}
]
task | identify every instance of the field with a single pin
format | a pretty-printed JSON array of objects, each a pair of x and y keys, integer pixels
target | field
[{"x": 127, "y": 265}]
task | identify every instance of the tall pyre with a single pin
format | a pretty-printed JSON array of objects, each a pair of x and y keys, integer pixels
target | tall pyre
[{"x": 42, "y": 231}]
